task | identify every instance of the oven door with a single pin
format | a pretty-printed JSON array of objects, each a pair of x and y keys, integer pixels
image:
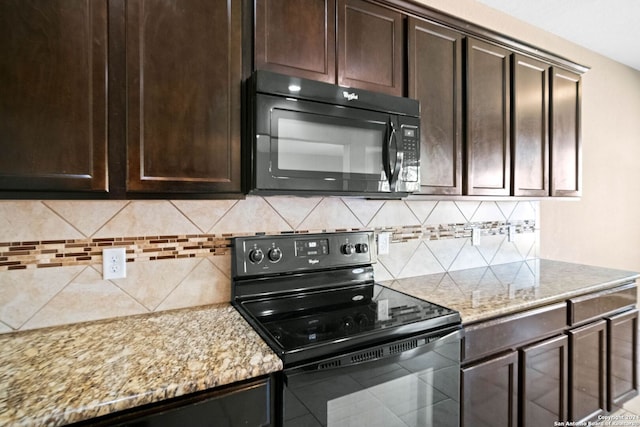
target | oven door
[
  {"x": 316, "y": 147},
  {"x": 414, "y": 386}
]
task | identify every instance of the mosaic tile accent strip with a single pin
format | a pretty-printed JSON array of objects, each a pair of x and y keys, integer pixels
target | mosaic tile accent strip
[
  {"x": 61, "y": 253},
  {"x": 22, "y": 255}
]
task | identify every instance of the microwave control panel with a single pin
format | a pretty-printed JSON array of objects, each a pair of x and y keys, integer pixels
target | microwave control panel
[{"x": 410, "y": 145}]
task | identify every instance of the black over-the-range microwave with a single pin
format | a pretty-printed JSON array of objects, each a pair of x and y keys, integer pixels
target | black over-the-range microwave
[{"x": 312, "y": 138}]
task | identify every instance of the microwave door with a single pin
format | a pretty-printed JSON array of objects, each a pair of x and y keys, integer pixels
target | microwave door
[{"x": 326, "y": 153}]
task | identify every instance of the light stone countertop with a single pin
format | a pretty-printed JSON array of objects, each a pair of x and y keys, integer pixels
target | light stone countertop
[
  {"x": 71, "y": 373},
  {"x": 66, "y": 374},
  {"x": 487, "y": 292}
]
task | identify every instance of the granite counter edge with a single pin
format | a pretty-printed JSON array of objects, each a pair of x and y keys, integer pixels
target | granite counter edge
[{"x": 529, "y": 305}]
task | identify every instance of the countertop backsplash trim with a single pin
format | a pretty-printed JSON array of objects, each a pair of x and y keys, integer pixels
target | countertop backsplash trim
[{"x": 61, "y": 253}]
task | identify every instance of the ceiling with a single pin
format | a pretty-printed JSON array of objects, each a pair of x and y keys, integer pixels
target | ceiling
[{"x": 608, "y": 27}]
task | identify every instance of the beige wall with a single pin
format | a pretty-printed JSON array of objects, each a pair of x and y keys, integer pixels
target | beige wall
[{"x": 603, "y": 227}]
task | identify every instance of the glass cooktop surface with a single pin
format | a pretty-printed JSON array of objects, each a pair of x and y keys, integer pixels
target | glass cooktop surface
[{"x": 336, "y": 315}]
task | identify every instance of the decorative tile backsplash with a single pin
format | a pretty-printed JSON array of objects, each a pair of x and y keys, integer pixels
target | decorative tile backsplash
[{"x": 178, "y": 251}]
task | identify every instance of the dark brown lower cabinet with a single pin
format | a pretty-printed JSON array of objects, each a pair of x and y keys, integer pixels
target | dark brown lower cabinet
[
  {"x": 490, "y": 392},
  {"x": 249, "y": 403},
  {"x": 588, "y": 358},
  {"x": 544, "y": 371},
  {"x": 622, "y": 341},
  {"x": 565, "y": 362}
]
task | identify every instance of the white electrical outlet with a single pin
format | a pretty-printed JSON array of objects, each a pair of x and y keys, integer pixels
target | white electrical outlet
[
  {"x": 114, "y": 263},
  {"x": 511, "y": 233},
  {"x": 383, "y": 309},
  {"x": 475, "y": 236},
  {"x": 384, "y": 239}
]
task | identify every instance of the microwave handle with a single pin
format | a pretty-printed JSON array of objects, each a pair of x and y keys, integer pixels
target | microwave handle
[
  {"x": 397, "y": 157},
  {"x": 386, "y": 150}
]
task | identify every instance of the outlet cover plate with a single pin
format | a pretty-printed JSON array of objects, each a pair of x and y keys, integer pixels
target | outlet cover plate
[
  {"x": 384, "y": 239},
  {"x": 114, "y": 263},
  {"x": 475, "y": 236}
]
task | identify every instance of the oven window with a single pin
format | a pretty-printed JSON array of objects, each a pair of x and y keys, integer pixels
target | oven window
[
  {"x": 307, "y": 143},
  {"x": 419, "y": 390}
]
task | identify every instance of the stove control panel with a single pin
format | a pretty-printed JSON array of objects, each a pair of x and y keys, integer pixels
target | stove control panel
[{"x": 283, "y": 253}]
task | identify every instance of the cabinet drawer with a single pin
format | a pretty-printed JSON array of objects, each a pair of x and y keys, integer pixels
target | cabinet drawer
[
  {"x": 507, "y": 332},
  {"x": 242, "y": 404},
  {"x": 594, "y": 306}
]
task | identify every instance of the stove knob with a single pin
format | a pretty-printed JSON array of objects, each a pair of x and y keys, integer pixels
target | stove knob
[
  {"x": 256, "y": 256},
  {"x": 348, "y": 325},
  {"x": 348, "y": 249},
  {"x": 362, "y": 248},
  {"x": 275, "y": 254},
  {"x": 362, "y": 320}
]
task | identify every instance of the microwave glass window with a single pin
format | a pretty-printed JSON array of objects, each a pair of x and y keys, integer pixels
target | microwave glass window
[{"x": 328, "y": 147}]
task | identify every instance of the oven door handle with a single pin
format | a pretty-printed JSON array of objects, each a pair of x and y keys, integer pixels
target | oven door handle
[{"x": 362, "y": 357}]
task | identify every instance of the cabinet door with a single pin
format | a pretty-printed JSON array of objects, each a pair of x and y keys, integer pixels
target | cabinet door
[
  {"x": 622, "y": 335},
  {"x": 566, "y": 145},
  {"x": 490, "y": 392},
  {"x": 545, "y": 382},
  {"x": 530, "y": 130},
  {"x": 297, "y": 38},
  {"x": 249, "y": 404},
  {"x": 488, "y": 119},
  {"x": 183, "y": 96},
  {"x": 435, "y": 79},
  {"x": 587, "y": 383},
  {"x": 53, "y": 83},
  {"x": 370, "y": 47}
]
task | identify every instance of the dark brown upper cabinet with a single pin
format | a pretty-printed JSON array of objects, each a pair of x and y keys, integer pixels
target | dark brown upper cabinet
[
  {"x": 172, "y": 121},
  {"x": 435, "y": 79},
  {"x": 566, "y": 145},
  {"x": 353, "y": 43},
  {"x": 142, "y": 98},
  {"x": 370, "y": 47},
  {"x": 530, "y": 142},
  {"x": 488, "y": 143},
  {"x": 53, "y": 96},
  {"x": 183, "y": 96},
  {"x": 296, "y": 38}
]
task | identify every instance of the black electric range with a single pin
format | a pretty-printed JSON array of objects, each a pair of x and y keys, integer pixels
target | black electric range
[{"x": 314, "y": 295}]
